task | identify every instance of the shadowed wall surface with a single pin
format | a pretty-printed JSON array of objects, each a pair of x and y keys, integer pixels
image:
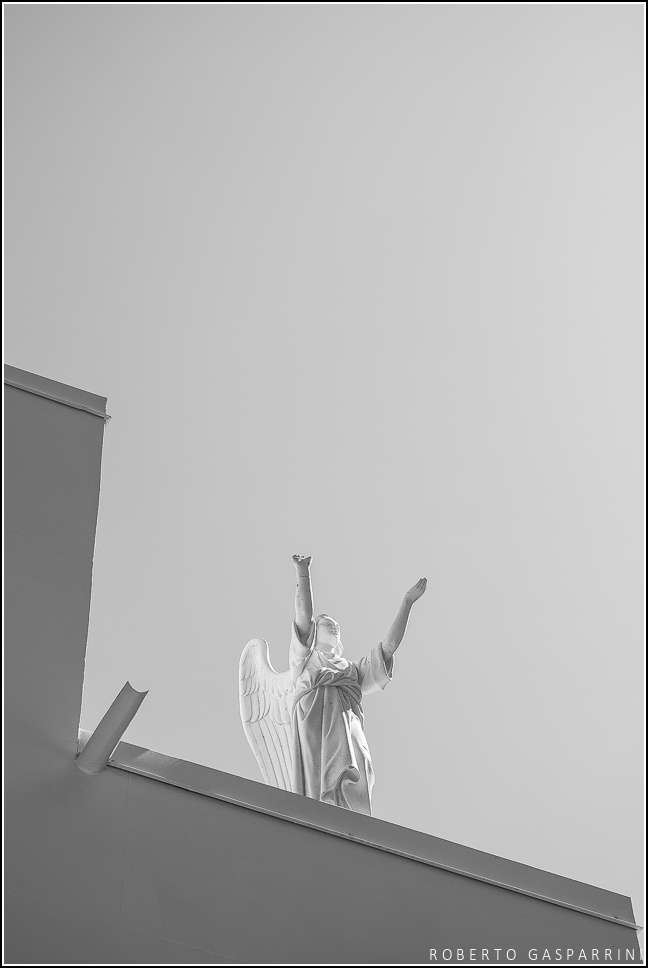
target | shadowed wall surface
[{"x": 362, "y": 282}]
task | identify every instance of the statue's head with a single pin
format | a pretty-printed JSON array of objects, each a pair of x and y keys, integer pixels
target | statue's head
[{"x": 328, "y": 635}]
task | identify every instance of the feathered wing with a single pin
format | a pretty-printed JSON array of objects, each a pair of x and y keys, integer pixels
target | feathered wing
[{"x": 265, "y": 701}]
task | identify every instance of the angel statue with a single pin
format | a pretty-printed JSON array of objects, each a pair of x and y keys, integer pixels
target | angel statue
[{"x": 306, "y": 725}]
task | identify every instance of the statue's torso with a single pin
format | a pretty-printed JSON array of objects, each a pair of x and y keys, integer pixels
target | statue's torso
[{"x": 336, "y": 671}]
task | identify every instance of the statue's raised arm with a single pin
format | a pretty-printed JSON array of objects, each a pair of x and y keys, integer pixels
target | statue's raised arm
[
  {"x": 396, "y": 631},
  {"x": 303, "y": 595}
]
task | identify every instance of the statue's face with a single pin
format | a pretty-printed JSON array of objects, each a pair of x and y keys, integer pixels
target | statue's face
[{"x": 328, "y": 634}]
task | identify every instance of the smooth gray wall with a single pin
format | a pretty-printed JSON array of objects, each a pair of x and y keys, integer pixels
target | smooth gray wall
[
  {"x": 52, "y": 459},
  {"x": 115, "y": 868},
  {"x": 363, "y": 281}
]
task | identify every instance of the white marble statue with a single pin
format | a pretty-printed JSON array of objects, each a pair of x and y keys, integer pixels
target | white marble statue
[{"x": 306, "y": 725}]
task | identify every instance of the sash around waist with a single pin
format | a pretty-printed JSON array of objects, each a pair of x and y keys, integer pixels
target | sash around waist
[{"x": 346, "y": 684}]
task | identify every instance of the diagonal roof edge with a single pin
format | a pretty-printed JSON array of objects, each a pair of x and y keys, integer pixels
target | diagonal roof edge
[
  {"x": 372, "y": 832},
  {"x": 62, "y": 393}
]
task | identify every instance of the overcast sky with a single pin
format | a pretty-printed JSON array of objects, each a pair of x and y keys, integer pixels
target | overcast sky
[{"x": 363, "y": 282}]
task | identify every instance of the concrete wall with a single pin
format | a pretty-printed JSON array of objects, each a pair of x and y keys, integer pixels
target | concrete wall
[{"x": 118, "y": 868}]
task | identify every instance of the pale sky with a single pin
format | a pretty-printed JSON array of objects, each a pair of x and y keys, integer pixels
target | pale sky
[{"x": 363, "y": 282}]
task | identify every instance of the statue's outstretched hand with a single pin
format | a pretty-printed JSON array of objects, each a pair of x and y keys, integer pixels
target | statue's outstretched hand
[
  {"x": 301, "y": 562},
  {"x": 416, "y": 591}
]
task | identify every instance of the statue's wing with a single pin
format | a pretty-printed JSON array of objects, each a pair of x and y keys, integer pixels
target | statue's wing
[{"x": 265, "y": 701}]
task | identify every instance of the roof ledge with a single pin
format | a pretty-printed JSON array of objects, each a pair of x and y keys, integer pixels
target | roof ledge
[
  {"x": 372, "y": 832},
  {"x": 62, "y": 393}
]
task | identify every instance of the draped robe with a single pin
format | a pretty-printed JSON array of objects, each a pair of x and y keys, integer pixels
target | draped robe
[{"x": 330, "y": 755}]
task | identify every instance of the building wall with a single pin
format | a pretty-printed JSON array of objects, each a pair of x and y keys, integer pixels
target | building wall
[{"x": 117, "y": 868}]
